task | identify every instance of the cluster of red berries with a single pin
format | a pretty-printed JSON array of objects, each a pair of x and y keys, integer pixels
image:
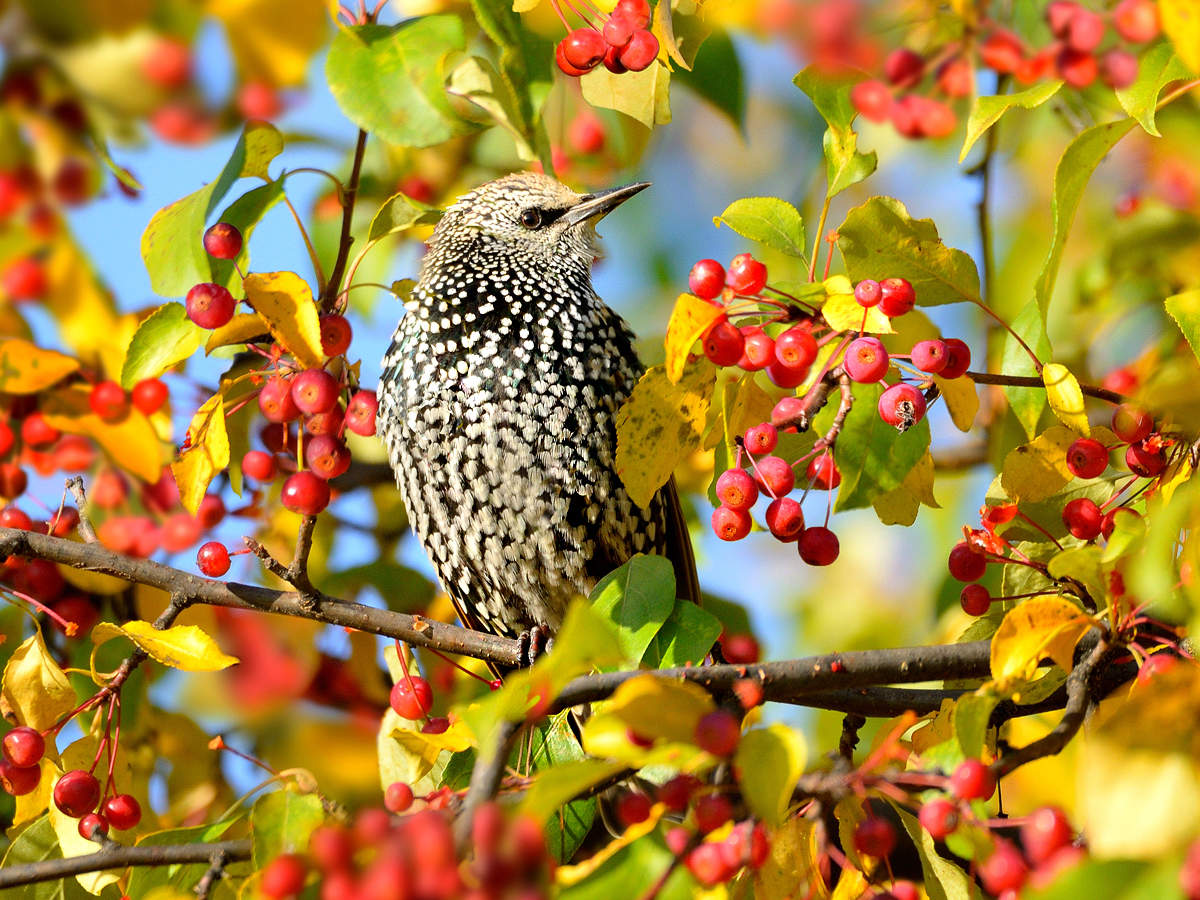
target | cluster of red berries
[
  {"x": 384, "y": 856},
  {"x": 307, "y": 411},
  {"x": 1074, "y": 55},
  {"x": 623, "y": 42},
  {"x": 76, "y": 793}
]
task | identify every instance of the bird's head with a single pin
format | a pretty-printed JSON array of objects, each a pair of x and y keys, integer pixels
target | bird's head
[{"x": 531, "y": 215}]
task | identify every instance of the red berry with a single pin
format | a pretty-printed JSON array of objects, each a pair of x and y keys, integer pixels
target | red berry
[
  {"x": 819, "y": 546},
  {"x": 640, "y": 52},
  {"x": 972, "y": 780},
  {"x": 149, "y": 395},
  {"x": 326, "y": 456},
  {"x": 25, "y": 279},
  {"x": 223, "y": 241},
  {"x": 314, "y": 391},
  {"x": 14, "y": 517},
  {"x": 210, "y": 305},
  {"x": 92, "y": 826},
  {"x": 740, "y": 648},
  {"x": 1004, "y": 870},
  {"x": 1131, "y": 423},
  {"x": 361, "y": 412},
  {"x": 560, "y": 59},
  {"x": 896, "y": 297},
  {"x": 122, "y": 811},
  {"x": 958, "y": 358},
  {"x": 259, "y": 100},
  {"x": 712, "y": 811},
  {"x": 930, "y": 356},
  {"x": 975, "y": 599},
  {"x": 586, "y": 133},
  {"x": 1087, "y": 458},
  {"x": 731, "y": 524},
  {"x": 13, "y": 481},
  {"x": 1046, "y": 830},
  {"x": 108, "y": 400},
  {"x": 76, "y": 793},
  {"x": 758, "y": 349},
  {"x": 723, "y": 344},
  {"x": 618, "y": 30},
  {"x": 746, "y": 274},
  {"x": 902, "y": 405},
  {"x": 331, "y": 847},
  {"x": 7, "y": 438},
  {"x": 868, "y": 293},
  {"x": 709, "y": 866},
  {"x": 1085, "y": 30},
  {"x": 168, "y": 63},
  {"x": 633, "y": 808},
  {"x": 875, "y": 837},
  {"x": 1077, "y": 68},
  {"x": 211, "y": 511},
  {"x": 1148, "y": 462},
  {"x": 411, "y": 697},
  {"x": 736, "y": 489},
  {"x": 19, "y": 780},
  {"x": 866, "y": 360},
  {"x": 258, "y": 465},
  {"x": 873, "y": 99},
  {"x": 1136, "y": 20},
  {"x": 956, "y": 78},
  {"x": 398, "y": 797},
  {"x": 775, "y": 475},
  {"x": 823, "y": 473},
  {"x": 718, "y": 733},
  {"x": 1059, "y": 14},
  {"x": 335, "y": 335},
  {"x": 965, "y": 564},
  {"x": 275, "y": 400},
  {"x": 676, "y": 794},
  {"x": 785, "y": 518},
  {"x": 1118, "y": 68},
  {"x": 612, "y": 61},
  {"x": 37, "y": 432},
  {"x": 796, "y": 348},
  {"x": 707, "y": 279},
  {"x": 634, "y": 11},
  {"x": 284, "y": 876},
  {"x": 761, "y": 438},
  {"x": 305, "y": 493},
  {"x": 583, "y": 48},
  {"x": 24, "y": 746},
  {"x": 787, "y": 410},
  {"x": 785, "y": 376},
  {"x": 213, "y": 559},
  {"x": 903, "y": 67},
  {"x": 939, "y": 817},
  {"x": 329, "y": 423},
  {"x": 1082, "y": 518}
]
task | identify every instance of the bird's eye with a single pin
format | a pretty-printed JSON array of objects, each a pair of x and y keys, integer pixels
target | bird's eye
[{"x": 531, "y": 218}]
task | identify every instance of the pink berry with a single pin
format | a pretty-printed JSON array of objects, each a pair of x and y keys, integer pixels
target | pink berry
[
  {"x": 1004, "y": 870},
  {"x": 210, "y": 305},
  {"x": 785, "y": 518},
  {"x": 731, "y": 524},
  {"x": 787, "y": 410},
  {"x": 398, "y": 797},
  {"x": 275, "y": 400},
  {"x": 1118, "y": 68},
  {"x": 873, "y": 99},
  {"x": 868, "y": 293},
  {"x": 902, "y": 405},
  {"x": 1083, "y": 518},
  {"x": 775, "y": 475},
  {"x": 336, "y": 335},
  {"x": 223, "y": 241},
  {"x": 761, "y": 438},
  {"x": 866, "y": 360},
  {"x": 736, "y": 489},
  {"x": 1136, "y": 20},
  {"x": 718, "y": 733},
  {"x": 707, "y": 279},
  {"x": 326, "y": 456},
  {"x": 259, "y": 465},
  {"x": 785, "y": 376},
  {"x": 1085, "y": 30},
  {"x": 823, "y": 473},
  {"x": 965, "y": 563},
  {"x": 640, "y": 52},
  {"x": 958, "y": 358},
  {"x": 361, "y": 412},
  {"x": 930, "y": 356},
  {"x": 284, "y": 876},
  {"x": 819, "y": 546},
  {"x": 972, "y": 780},
  {"x": 1087, "y": 458}
]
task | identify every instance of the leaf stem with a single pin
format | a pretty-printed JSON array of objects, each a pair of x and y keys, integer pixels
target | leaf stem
[{"x": 812, "y": 263}]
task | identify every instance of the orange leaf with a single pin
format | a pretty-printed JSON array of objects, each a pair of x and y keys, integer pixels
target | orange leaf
[{"x": 27, "y": 369}]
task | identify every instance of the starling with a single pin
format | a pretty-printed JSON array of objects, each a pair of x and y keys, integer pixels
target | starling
[{"x": 498, "y": 401}]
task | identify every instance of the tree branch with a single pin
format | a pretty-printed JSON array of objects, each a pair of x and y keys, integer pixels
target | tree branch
[
  {"x": 120, "y": 856},
  {"x": 1035, "y": 381},
  {"x": 333, "y": 286},
  {"x": 485, "y": 780}
]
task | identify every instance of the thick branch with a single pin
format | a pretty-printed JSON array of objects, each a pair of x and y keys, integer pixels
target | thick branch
[
  {"x": 1035, "y": 381},
  {"x": 120, "y": 856}
]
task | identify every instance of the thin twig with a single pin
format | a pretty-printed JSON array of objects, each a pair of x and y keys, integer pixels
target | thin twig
[
  {"x": 86, "y": 531},
  {"x": 1035, "y": 381},
  {"x": 216, "y": 869},
  {"x": 485, "y": 779},
  {"x": 333, "y": 287},
  {"x": 120, "y": 856}
]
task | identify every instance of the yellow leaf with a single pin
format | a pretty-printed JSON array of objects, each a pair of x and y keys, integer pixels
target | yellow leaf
[
  {"x": 284, "y": 300},
  {"x": 130, "y": 442},
  {"x": 937, "y": 730},
  {"x": 656, "y": 708},
  {"x": 412, "y": 754},
  {"x": 1181, "y": 23},
  {"x": 240, "y": 329},
  {"x": 35, "y": 688},
  {"x": 660, "y": 425},
  {"x": 1038, "y": 470},
  {"x": 899, "y": 506},
  {"x": 1036, "y": 629},
  {"x": 27, "y": 369},
  {"x": 843, "y": 312},
  {"x": 72, "y": 843},
  {"x": 183, "y": 647},
  {"x": 751, "y": 406},
  {"x": 1065, "y": 397},
  {"x": 962, "y": 400},
  {"x": 643, "y": 95},
  {"x": 791, "y": 869},
  {"x": 769, "y": 762},
  {"x": 273, "y": 40},
  {"x": 561, "y": 783},
  {"x": 207, "y": 453},
  {"x": 85, "y": 312},
  {"x": 690, "y": 319}
]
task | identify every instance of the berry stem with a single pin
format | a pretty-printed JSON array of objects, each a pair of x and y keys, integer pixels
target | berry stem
[{"x": 1040, "y": 528}]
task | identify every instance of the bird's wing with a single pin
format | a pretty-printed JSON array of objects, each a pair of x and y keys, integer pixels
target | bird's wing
[{"x": 678, "y": 544}]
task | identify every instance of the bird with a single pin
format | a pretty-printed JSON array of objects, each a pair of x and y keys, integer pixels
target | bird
[{"x": 498, "y": 400}]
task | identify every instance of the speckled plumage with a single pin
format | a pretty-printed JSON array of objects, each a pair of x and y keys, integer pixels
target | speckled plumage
[{"x": 498, "y": 401}]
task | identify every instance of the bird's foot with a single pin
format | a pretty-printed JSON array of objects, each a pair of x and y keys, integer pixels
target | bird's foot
[{"x": 534, "y": 642}]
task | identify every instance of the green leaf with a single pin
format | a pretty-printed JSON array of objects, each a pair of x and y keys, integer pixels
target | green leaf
[
  {"x": 630, "y": 872},
  {"x": 716, "y": 75},
  {"x": 399, "y": 213},
  {"x": 943, "y": 879},
  {"x": 1026, "y": 403},
  {"x": 1083, "y": 565},
  {"x": 389, "y": 80},
  {"x": 1070, "y": 178},
  {"x": 1185, "y": 310},
  {"x": 1111, "y": 879},
  {"x": 637, "y": 598},
  {"x": 644, "y": 96},
  {"x": 767, "y": 220},
  {"x": 873, "y": 457},
  {"x": 163, "y": 339},
  {"x": 172, "y": 248},
  {"x": 282, "y": 822},
  {"x": 1156, "y": 69},
  {"x": 554, "y": 749},
  {"x": 144, "y": 879},
  {"x": 685, "y": 638},
  {"x": 38, "y": 843},
  {"x": 880, "y": 240},
  {"x": 987, "y": 111},
  {"x": 972, "y": 712},
  {"x": 844, "y": 165},
  {"x": 770, "y": 761}
]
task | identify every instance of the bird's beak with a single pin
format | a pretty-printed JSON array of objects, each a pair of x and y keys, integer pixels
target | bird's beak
[{"x": 601, "y": 203}]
